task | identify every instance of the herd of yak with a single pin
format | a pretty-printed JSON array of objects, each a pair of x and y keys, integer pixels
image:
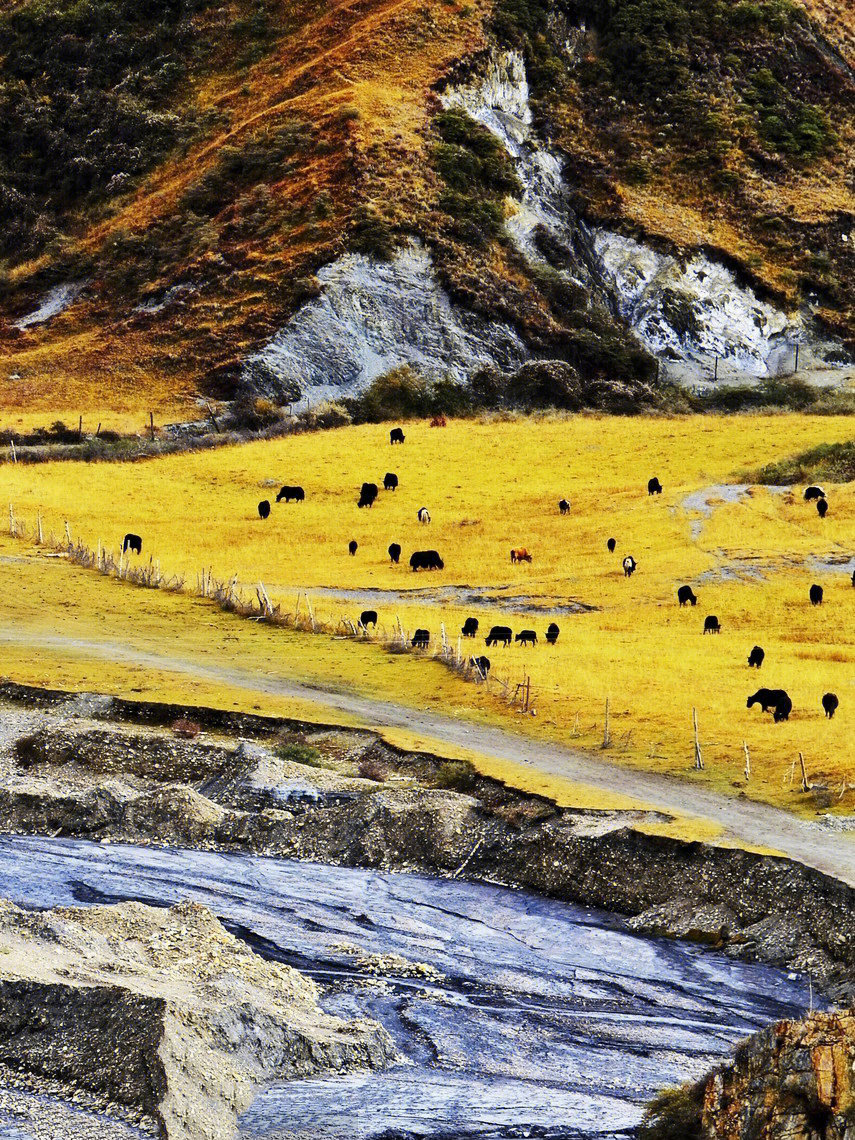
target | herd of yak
[{"x": 776, "y": 701}]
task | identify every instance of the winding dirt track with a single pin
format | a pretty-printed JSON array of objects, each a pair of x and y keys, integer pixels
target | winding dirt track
[{"x": 756, "y": 824}]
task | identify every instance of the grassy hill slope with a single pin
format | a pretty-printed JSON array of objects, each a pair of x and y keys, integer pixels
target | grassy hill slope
[{"x": 194, "y": 164}]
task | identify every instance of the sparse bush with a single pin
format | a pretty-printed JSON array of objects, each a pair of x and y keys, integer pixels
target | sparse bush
[
  {"x": 300, "y": 753},
  {"x": 186, "y": 729},
  {"x": 400, "y": 393},
  {"x": 829, "y": 462},
  {"x": 370, "y": 768},
  {"x": 253, "y": 413},
  {"x": 327, "y": 414},
  {"x": 455, "y": 776},
  {"x": 477, "y": 173},
  {"x": 674, "y": 1114},
  {"x": 372, "y": 235}
]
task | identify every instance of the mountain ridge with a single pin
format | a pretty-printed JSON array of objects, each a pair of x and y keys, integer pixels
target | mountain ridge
[{"x": 328, "y": 138}]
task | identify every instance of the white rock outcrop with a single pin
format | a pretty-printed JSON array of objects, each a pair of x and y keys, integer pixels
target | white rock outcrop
[{"x": 373, "y": 316}]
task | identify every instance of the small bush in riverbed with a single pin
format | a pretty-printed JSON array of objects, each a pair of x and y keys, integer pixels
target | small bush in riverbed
[
  {"x": 186, "y": 729},
  {"x": 454, "y": 776},
  {"x": 370, "y": 768},
  {"x": 300, "y": 753},
  {"x": 675, "y": 1114}
]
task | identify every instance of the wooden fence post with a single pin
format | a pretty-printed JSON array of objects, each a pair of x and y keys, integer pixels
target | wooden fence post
[
  {"x": 699, "y": 760},
  {"x": 747, "y": 761},
  {"x": 39, "y": 528},
  {"x": 606, "y": 736},
  {"x": 805, "y": 784}
]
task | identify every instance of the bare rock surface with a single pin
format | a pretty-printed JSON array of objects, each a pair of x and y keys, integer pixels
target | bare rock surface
[{"x": 164, "y": 1011}]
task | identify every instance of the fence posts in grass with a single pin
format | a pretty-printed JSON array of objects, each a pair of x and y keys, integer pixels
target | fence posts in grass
[
  {"x": 699, "y": 760},
  {"x": 13, "y": 451},
  {"x": 311, "y": 613},
  {"x": 607, "y": 739},
  {"x": 264, "y": 600},
  {"x": 747, "y": 761},
  {"x": 805, "y": 784}
]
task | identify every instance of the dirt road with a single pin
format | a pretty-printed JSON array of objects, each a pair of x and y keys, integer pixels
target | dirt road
[{"x": 756, "y": 824}]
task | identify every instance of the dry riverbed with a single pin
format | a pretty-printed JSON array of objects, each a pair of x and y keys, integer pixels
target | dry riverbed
[{"x": 246, "y": 788}]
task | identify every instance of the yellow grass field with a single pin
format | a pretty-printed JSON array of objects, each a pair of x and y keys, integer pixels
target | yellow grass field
[{"x": 490, "y": 486}]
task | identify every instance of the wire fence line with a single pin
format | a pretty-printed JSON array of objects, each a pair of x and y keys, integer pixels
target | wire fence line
[
  {"x": 258, "y": 606},
  {"x": 232, "y": 597}
]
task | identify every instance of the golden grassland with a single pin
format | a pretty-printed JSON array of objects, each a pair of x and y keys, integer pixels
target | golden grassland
[
  {"x": 490, "y": 486},
  {"x": 75, "y": 631}
]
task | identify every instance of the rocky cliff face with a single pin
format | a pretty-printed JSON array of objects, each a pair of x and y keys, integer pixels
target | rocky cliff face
[{"x": 793, "y": 1081}]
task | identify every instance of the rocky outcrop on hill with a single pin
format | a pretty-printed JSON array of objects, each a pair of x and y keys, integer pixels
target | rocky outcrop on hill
[
  {"x": 165, "y": 1012},
  {"x": 793, "y": 1081}
]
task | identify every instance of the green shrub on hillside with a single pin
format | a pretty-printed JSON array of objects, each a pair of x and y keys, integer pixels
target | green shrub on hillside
[
  {"x": 83, "y": 96},
  {"x": 829, "y": 462},
  {"x": 477, "y": 173}
]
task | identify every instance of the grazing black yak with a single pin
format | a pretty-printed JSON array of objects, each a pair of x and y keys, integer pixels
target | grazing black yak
[
  {"x": 368, "y": 617},
  {"x": 686, "y": 594},
  {"x": 367, "y": 495},
  {"x": 289, "y": 493},
  {"x": 526, "y": 637},
  {"x": 610, "y": 545},
  {"x": 830, "y": 703},
  {"x": 654, "y": 487},
  {"x": 563, "y": 506},
  {"x": 755, "y": 657},
  {"x": 552, "y": 633},
  {"x": 132, "y": 542},
  {"x": 395, "y": 552},
  {"x": 390, "y": 481},
  {"x": 775, "y": 699},
  {"x": 421, "y": 639},
  {"x": 481, "y": 663},
  {"x": 470, "y": 627},
  {"x": 821, "y": 508},
  {"x": 396, "y": 436},
  {"x": 816, "y": 595},
  {"x": 629, "y": 566},
  {"x": 426, "y": 560},
  {"x": 353, "y": 546},
  {"x": 264, "y": 509},
  {"x": 500, "y": 634},
  {"x": 423, "y": 515},
  {"x": 711, "y": 624},
  {"x": 814, "y": 493}
]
